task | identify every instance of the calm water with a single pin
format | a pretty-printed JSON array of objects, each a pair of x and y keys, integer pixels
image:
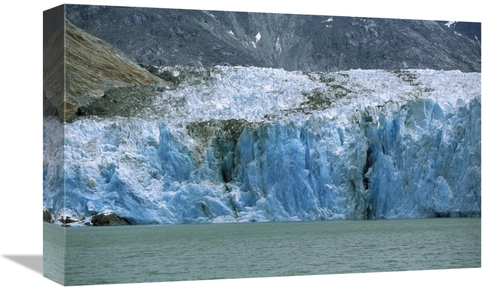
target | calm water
[{"x": 129, "y": 254}]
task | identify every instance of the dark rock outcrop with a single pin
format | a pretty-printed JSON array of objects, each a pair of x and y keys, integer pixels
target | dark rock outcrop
[
  {"x": 109, "y": 219},
  {"x": 47, "y": 216},
  {"x": 66, "y": 220}
]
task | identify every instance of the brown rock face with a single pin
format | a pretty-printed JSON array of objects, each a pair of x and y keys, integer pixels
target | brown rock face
[
  {"x": 53, "y": 74},
  {"x": 79, "y": 68}
]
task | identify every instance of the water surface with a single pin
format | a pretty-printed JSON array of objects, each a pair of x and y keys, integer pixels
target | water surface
[{"x": 128, "y": 254}]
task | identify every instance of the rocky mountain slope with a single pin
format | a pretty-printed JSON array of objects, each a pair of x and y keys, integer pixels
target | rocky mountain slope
[
  {"x": 91, "y": 68},
  {"x": 293, "y": 42}
]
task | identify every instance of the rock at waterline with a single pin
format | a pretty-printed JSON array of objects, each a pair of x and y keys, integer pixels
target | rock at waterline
[
  {"x": 111, "y": 219},
  {"x": 47, "y": 216}
]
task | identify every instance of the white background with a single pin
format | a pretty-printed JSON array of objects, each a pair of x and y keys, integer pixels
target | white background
[{"x": 21, "y": 144}]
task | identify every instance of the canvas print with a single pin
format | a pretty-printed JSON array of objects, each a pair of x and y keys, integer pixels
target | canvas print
[{"x": 193, "y": 145}]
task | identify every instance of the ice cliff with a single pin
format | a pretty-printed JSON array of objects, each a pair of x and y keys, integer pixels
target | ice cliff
[{"x": 238, "y": 144}]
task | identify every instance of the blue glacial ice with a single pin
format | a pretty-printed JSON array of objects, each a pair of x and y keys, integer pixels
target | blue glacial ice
[{"x": 257, "y": 144}]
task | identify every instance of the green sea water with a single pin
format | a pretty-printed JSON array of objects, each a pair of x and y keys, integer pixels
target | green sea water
[{"x": 131, "y": 254}]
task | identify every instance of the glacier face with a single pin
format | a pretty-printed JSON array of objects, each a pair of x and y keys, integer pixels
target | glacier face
[{"x": 257, "y": 144}]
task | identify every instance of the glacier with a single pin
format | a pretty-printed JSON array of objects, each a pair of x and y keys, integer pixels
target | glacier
[{"x": 241, "y": 144}]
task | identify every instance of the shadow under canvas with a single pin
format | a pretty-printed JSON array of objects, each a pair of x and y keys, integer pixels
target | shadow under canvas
[{"x": 33, "y": 262}]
